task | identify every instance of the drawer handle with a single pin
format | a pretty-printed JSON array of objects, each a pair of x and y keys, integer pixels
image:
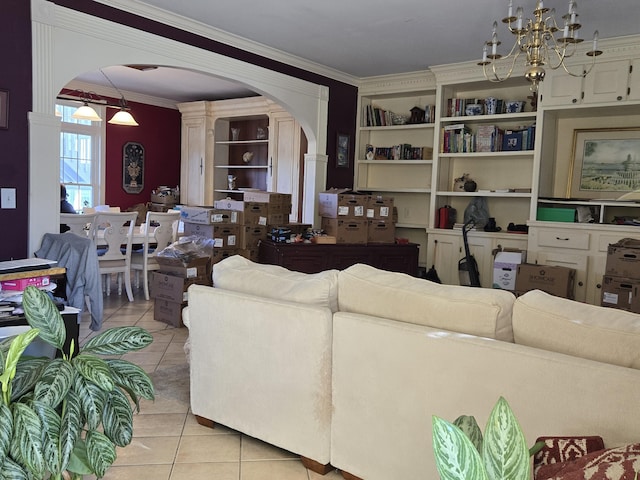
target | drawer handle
[
  {"x": 580, "y": 284},
  {"x": 598, "y": 285},
  {"x": 563, "y": 239}
]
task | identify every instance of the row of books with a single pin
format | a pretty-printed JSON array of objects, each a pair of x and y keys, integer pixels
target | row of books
[
  {"x": 400, "y": 152},
  {"x": 459, "y": 138},
  {"x": 456, "y": 107},
  {"x": 379, "y": 117}
]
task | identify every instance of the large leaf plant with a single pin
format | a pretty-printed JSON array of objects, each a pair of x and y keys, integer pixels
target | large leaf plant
[
  {"x": 63, "y": 418},
  {"x": 463, "y": 453}
]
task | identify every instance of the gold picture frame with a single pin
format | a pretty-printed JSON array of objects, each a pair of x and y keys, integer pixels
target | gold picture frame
[{"x": 605, "y": 163}]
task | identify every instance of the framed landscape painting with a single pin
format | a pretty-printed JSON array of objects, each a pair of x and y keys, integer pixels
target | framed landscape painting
[{"x": 605, "y": 163}]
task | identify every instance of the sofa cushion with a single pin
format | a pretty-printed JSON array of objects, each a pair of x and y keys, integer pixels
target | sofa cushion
[
  {"x": 598, "y": 333},
  {"x": 477, "y": 311},
  {"x": 272, "y": 281}
]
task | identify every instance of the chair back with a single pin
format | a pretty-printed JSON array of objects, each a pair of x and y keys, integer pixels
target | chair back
[
  {"x": 78, "y": 223},
  {"x": 114, "y": 230},
  {"x": 161, "y": 230}
]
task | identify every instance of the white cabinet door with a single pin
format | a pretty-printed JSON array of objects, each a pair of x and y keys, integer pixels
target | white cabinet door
[
  {"x": 558, "y": 88},
  {"x": 607, "y": 82},
  {"x": 562, "y": 259},
  {"x": 634, "y": 80},
  {"x": 193, "y": 164},
  {"x": 285, "y": 158},
  {"x": 446, "y": 254}
]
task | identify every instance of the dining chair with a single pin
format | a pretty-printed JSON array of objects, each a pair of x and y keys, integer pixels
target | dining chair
[
  {"x": 78, "y": 223},
  {"x": 160, "y": 232},
  {"x": 112, "y": 233}
]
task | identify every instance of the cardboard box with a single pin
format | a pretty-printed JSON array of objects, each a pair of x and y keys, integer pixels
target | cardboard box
[
  {"x": 623, "y": 259},
  {"x": 222, "y": 253},
  {"x": 22, "y": 283},
  {"x": 255, "y": 213},
  {"x": 251, "y": 235},
  {"x": 381, "y": 231},
  {"x": 250, "y": 253},
  {"x": 554, "y": 280},
  {"x": 223, "y": 234},
  {"x": 166, "y": 198},
  {"x": 272, "y": 198},
  {"x": 168, "y": 312},
  {"x": 622, "y": 293},
  {"x": 342, "y": 203},
  {"x": 168, "y": 287},
  {"x": 505, "y": 268},
  {"x": 201, "y": 215},
  {"x": 346, "y": 230},
  {"x": 380, "y": 208},
  {"x": 195, "y": 267},
  {"x": 227, "y": 216}
]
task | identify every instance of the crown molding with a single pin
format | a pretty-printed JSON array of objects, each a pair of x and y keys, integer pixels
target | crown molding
[
  {"x": 105, "y": 91},
  {"x": 404, "y": 82},
  {"x": 157, "y": 14}
]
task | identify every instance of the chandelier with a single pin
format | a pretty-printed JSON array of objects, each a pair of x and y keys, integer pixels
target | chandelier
[{"x": 541, "y": 41}]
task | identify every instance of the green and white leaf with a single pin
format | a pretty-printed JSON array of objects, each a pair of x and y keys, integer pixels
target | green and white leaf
[
  {"x": 6, "y": 431},
  {"x": 50, "y": 435},
  {"x": 92, "y": 399},
  {"x": 42, "y": 314},
  {"x": 26, "y": 444},
  {"x": 70, "y": 427},
  {"x": 117, "y": 418},
  {"x": 132, "y": 378},
  {"x": 10, "y": 469},
  {"x": 101, "y": 452},
  {"x": 79, "y": 461},
  {"x": 55, "y": 382},
  {"x": 118, "y": 341},
  {"x": 468, "y": 424},
  {"x": 505, "y": 451},
  {"x": 95, "y": 370},
  {"x": 456, "y": 457},
  {"x": 27, "y": 375},
  {"x": 17, "y": 346}
]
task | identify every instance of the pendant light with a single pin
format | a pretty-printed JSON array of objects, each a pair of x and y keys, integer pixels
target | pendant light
[
  {"x": 85, "y": 112},
  {"x": 122, "y": 116}
]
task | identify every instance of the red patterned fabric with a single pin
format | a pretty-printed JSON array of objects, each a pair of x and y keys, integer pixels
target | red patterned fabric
[
  {"x": 612, "y": 464},
  {"x": 562, "y": 449}
]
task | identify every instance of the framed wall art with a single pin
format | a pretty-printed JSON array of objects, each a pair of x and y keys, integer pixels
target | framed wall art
[
  {"x": 605, "y": 163},
  {"x": 4, "y": 109},
  {"x": 132, "y": 167},
  {"x": 342, "y": 150}
]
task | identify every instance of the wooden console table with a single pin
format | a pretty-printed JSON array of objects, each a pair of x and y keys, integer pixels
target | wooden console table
[{"x": 314, "y": 258}]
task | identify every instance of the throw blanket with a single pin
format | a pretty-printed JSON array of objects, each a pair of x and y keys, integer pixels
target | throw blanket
[{"x": 78, "y": 255}]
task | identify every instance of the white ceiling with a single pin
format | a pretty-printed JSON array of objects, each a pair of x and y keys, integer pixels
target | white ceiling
[{"x": 355, "y": 38}]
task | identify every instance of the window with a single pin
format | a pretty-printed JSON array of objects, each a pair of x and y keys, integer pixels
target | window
[{"x": 80, "y": 157}]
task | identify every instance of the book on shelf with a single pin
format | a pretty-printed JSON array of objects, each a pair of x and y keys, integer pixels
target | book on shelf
[{"x": 403, "y": 151}]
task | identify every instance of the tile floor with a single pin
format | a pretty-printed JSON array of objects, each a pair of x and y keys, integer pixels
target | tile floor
[{"x": 168, "y": 443}]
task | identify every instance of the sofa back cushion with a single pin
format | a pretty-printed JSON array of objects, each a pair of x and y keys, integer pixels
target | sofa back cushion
[
  {"x": 397, "y": 296},
  {"x": 587, "y": 331},
  {"x": 272, "y": 281}
]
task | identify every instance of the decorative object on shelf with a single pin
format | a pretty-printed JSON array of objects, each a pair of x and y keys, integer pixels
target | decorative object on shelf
[
  {"x": 491, "y": 226},
  {"x": 470, "y": 186},
  {"x": 605, "y": 163},
  {"x": 473, "y": 109},
  {"x": 133, "y": 167},
  {"x": 231, "y": 182},
  {"x": 398, "y": 119},
  {"x": 491, "y": 105},
  {"x": 458, "y": 183},
  {"x": 536, "y": 40},
  {"x": 417, "y": 115},
  {"x": 514, "y": 106},
  {"x": 342, "y": 150},
  {"x": 4, "y": 109},
  {"x": 261, "y": 133},
  {"x": 247, "y": 157},
  {"x": 235, "y": 134}
]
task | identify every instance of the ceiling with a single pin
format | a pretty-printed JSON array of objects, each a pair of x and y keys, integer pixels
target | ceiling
[{"x": 354, "y": 38}]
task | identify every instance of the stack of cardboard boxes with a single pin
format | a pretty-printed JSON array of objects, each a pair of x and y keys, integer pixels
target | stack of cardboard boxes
[
  {"x": 169, "y": 285},
  {"x": 621, "y": 281},
  {"x": 163, "y": 199},
  {"x": 353, "y": 217}
]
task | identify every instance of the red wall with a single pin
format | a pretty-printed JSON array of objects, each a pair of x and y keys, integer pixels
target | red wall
[{"x": 159, "y": 134}]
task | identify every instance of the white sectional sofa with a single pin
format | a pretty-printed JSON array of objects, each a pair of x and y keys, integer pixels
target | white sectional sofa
[{"x": 347, "y": 368}]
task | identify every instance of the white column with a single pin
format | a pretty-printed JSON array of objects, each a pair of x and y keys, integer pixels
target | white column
[{"x": 315, "y": 181}]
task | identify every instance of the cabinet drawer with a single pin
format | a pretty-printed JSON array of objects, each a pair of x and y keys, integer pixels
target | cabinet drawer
[
  {"x": 605, "y": 240},
  {"x": 564, "y": 239}
]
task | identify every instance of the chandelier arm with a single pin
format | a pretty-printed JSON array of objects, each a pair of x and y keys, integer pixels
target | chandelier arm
[{"x": 495, "y": 77}]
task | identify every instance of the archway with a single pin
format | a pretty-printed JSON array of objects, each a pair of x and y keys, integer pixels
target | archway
[{"x": 66, "y": 43}]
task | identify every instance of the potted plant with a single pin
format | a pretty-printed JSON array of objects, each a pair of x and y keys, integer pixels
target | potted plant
[
  {"x": 64, "y": 417},
  {"x": 463, "y": 453}
]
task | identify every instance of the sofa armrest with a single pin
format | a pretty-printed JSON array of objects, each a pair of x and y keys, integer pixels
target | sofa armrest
[{"x": 263, "y": 367}]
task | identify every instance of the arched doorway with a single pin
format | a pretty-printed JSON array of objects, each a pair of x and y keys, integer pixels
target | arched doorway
[{"x": 67, "y": 43}]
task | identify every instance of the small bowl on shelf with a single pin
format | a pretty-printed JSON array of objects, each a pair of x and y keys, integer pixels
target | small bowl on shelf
[{"x": 473, "y": 109}]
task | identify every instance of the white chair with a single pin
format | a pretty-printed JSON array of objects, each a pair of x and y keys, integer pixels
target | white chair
[
  {"x": 160, "y": 231},
  {"x": 111, "y": 233},
  {"x": 78, "y": 223}
]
